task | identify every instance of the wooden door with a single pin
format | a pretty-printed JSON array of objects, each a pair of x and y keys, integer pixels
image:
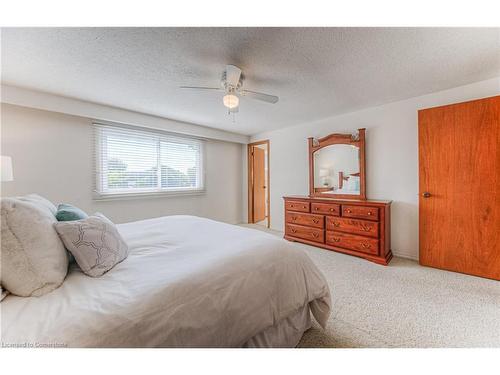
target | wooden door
[
  {"x": 459, "y": 183},
  {"x": 259, "y": 184}
]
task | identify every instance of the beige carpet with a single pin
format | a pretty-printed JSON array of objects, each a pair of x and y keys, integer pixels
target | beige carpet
[{"x": 402, "y": 305}]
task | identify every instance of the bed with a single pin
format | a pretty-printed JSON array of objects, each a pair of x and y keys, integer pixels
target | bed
[{"x": 187, "y": 282}]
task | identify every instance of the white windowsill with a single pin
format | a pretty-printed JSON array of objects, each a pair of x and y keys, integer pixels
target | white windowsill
[{"x": 146, "y": 195}]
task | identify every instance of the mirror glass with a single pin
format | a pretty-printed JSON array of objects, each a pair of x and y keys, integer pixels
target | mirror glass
[{"x": 336, "y": 169}]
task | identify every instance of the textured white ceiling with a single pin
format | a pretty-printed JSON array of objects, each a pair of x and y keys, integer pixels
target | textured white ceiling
[{"x": 316, "y": 72}]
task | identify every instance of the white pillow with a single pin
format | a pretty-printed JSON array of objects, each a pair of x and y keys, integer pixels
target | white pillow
[
  {"x": 95, "y": 243},
  {"x": 352, "y": 183},
  {"x": 39, "y": 201},
  {"x": 33, "y": 259}
]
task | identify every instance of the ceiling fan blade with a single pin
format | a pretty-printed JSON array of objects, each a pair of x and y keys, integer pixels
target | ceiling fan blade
[
  {"x": 260, "y": 96},
  {"x": 201, "y": 88},
  {"x": 233, "y": 74}
]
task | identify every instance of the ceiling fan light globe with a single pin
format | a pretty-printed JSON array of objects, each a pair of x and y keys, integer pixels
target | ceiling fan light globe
[{"x": 231, "y": 101}]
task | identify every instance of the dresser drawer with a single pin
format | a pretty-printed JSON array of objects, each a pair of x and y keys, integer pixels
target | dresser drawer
[
  {"x": 355, "y": 226},
  {"x": 360, "y": 212},
  {"x": 352, "y": 242},
  {"x": 325, "y": 209},
  {"x": 307, "y": 233},
  {"x": 297, "y": 206},
  {"x": 317, "y": 221}
]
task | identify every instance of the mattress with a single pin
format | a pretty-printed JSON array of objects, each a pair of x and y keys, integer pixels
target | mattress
[{"x": 187, "y": 282}]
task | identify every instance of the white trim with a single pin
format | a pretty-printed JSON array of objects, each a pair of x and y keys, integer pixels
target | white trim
[
  {"x": 99, "y": 112},
  {"x": 405, "y": 255}
]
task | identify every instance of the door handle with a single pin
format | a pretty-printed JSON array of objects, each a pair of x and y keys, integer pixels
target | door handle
[{"x": 426, "y": 194}]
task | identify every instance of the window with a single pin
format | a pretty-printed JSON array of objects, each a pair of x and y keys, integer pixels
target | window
[{"x": 131, "y": 161}]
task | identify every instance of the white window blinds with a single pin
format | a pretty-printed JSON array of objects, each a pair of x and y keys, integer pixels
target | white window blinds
[{"x": 132, "y": 161}]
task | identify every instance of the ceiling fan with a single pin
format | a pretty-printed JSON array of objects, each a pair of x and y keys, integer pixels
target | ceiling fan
[{"x": 231, "y": 83}]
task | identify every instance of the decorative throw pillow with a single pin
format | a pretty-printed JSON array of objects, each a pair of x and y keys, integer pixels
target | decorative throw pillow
[
  {"x": 33, "y": 258},
  {"x": 39, "y": 201},
  {"x": 67, "y": 212},
  {"x": 94, "y": 242},
  {"x": 353, "y": 183}
]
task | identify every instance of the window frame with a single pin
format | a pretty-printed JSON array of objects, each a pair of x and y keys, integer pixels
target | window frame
[{"x": 100, "y": 174}]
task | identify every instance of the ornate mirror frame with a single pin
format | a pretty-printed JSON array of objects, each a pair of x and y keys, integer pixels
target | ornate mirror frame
[{"x": 333, "y": 139}]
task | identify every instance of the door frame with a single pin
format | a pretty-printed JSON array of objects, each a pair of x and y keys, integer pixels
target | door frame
[{"x": 250, "y": 181}]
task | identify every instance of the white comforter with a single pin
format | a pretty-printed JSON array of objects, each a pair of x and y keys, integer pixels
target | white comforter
[{"x": 187, "y": 282}]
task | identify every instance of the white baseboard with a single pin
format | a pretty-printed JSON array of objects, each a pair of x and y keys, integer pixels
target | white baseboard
[{"x": 400, "y": 254}]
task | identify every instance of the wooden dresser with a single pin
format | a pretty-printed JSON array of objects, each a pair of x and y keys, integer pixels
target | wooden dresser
[{"x": 356, "y": 227}]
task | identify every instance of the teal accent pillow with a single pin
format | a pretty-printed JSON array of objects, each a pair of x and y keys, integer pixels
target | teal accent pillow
[{"x": 67, "y": 212}]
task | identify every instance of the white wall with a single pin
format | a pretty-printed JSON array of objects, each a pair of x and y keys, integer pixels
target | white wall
[
  {"x": 81, "y": 108},
  {"x": 392, "y": 156},
  {"x": 52, "y": 156}
]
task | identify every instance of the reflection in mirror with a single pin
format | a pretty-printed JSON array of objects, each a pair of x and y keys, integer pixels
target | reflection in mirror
[{"x": 336, "y": 169}]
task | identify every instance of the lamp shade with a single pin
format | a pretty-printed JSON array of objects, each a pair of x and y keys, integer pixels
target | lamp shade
[
  {"x": 6, "y": 170},
  {"x": 323, "y": 172}
]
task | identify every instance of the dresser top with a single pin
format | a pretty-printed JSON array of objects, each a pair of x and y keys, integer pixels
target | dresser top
[{"x": 333, "y": 200}]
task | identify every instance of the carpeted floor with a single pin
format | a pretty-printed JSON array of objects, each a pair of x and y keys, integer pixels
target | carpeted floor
[{"x": 402, "y": 305}]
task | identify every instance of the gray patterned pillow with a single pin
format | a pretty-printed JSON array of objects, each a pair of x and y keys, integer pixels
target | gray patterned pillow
[{"x": 94, "y": 242}]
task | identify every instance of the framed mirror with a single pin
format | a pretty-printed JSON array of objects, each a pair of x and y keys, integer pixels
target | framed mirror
[{"x": 337, "y": 166}]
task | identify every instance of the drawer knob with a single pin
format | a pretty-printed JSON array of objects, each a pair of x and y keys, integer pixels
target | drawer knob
[
  {"x": 315, "y": 235},
  {"x": 291, "y": 205},
  {"x": 331, "y": 209},
  {"x": 315, "y": 221},
  {"x": 316, "y": 208},
  {"x": 365, "y": 228},
  {"x": 294, "y": 218},
  {"x": 336, "y": 239},
  {"x": 294, "y": 231},
  {"x": 369, "y": 213},
  {"x": 335, "y": 224},
  {"x": 366, "y": 245},
  {"x": 304, "y": 207},
  {"x": 348, "y": 211}
]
